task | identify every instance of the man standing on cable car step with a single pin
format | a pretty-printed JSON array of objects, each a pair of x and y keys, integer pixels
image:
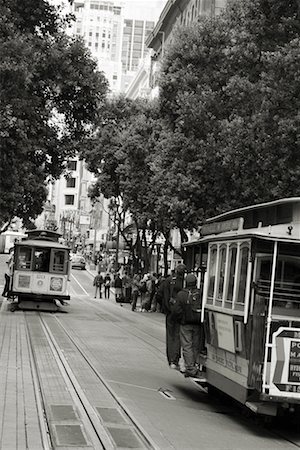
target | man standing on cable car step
[
  {"x": 187, "y": 311},
  {"x": 172, "y": 285}
]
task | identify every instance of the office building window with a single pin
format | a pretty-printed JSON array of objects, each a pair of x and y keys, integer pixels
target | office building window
[
  {"x": 69, "y": 199},
  {"x": 72, "y": 165},
  {"x": 71, "y": 182}
]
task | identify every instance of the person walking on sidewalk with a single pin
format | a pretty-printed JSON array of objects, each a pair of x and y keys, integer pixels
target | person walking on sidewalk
[
  {"x": 126, "y": 287},
  {"x": 107, "y": 284},
  {"x": 187, "y": 310},
  {"x": 135, "y": 290},
  {"x": 98, "y": 282},
  {"x": 118, "y": 288}
]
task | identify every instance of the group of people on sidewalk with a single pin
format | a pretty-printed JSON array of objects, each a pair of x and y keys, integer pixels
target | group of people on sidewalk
[
  {"x": 140, "y": 289},
  {"x": 178, "y": 297}
]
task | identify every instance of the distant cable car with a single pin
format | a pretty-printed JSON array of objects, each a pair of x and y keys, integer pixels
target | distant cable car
[
  {"x": 41, "y": 271},
  {"x": 248, "y": 261}
]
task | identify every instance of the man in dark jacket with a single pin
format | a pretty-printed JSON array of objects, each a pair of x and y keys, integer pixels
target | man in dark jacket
[
  {"x": 187, "y": 310},
  {"x": 98, "y": 282},
  {"x": 172, "y": 285}
]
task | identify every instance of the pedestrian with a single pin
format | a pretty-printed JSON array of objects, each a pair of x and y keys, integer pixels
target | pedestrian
[
  {"x": 152, "y": 289},
  {"x": 107, "y": 284},
  {"x": 126, "y": 287},
  {"x": 172, "y": 285},
  {"x": 187, "y": 311},
  {"x": 8, "y": 275},
  {"x": 135, "y": 290},
  {"x": 158, "y": 294},
  {"x": 118, "y": 288},
  {"x": 98, "y": 282},
  {"x": 145, "y": 294}
]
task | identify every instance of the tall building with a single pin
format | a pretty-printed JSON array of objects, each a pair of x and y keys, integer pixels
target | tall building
[
  {"x": 175, "y": 12},
  {"x": 115, "y": 33},
  {"x": 115, "y": 38},
  {"x": 81, "y": 222}
]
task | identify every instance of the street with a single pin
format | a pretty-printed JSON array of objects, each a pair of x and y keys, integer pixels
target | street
[{"x": 114, "y": 361}]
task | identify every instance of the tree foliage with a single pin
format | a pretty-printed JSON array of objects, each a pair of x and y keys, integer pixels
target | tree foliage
[
  {"x": 226, "y": 132},
  {"x": 231, "y": 86},
  {"x": 119, "y": 155},
  {"x": 50, "y": 93}
]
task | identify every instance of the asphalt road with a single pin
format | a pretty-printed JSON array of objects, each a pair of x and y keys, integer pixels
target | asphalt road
[{"x": 128, "y": 349}]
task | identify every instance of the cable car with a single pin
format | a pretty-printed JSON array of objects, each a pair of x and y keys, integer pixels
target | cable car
[
  {"x": 248, "y": 264},
  {"x": 41, "y": 272}
]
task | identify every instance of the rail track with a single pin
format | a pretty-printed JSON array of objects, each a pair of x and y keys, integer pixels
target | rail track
[
  {"x": 70, "y": 392},
  {"x": 97, "y": 427},
  {"x": 273, "y": 427}
]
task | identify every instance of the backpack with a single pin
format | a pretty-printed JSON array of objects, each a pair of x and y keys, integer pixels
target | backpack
[
  {"x": 193, "y": 307},
  {"x": 176, "y": 285}
]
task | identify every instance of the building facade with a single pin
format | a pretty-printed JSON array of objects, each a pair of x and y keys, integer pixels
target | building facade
[
  {"x": 115, "y": 39},
  {"x": 175, "y": 12}
]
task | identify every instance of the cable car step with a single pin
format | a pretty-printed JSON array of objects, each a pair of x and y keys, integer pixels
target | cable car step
[
  {"x": 268, "y": 409},
  {"x": 34, "y": 305}
]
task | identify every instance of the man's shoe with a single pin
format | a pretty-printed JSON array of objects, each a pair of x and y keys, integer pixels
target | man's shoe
[
  {"x": 200, "y": 376},
  {"x": 174, "y": 366}
]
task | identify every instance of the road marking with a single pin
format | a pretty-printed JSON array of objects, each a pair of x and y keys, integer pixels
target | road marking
[
  {"x": 132, "y": 385},
  {"x": 80, "y": 286},
  {"x": 166, "y": 393}
]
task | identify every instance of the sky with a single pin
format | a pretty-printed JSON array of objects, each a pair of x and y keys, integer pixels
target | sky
[{"x": 152, "y": 8}]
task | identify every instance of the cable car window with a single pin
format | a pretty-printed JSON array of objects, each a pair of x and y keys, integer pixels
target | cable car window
[
  {"x": 244, "y": 258},
  {"x": 58, "y": 263},
  {"x": 221, "y": 273},
  {"x": 231, "y": 274},
  {"x": 212, "y": 273},
  {"x": 287, "y": 283},
  {"x": 24, "y": 258},
  {"x": 41, "y": 259}
]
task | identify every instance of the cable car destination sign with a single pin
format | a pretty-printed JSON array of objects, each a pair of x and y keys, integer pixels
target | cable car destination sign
[{"x": 285, "y": 362}]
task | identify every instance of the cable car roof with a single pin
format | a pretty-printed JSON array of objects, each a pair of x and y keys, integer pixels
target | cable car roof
[
  {"x": 244, "y": 234},
  {"x": 47, "y": 235},
  {"x": 42, "y": 243},
  {"x": 239, "y": 211}
]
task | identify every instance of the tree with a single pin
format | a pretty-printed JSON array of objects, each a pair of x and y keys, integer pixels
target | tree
[
  {"x": 229, "y": 86},
  {"x": 50, "y": 94},
  {"x": 120, "y": 156}
]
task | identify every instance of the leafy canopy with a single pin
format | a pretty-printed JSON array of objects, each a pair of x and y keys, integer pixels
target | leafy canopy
[
  {"x": 230, "y": 86},
  {"x": 50, "y": 93}
]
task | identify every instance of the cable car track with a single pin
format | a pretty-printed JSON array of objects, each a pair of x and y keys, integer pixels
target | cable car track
[
  {"x": 98, "y": 433},
  {"x": 260, "y": 421}
]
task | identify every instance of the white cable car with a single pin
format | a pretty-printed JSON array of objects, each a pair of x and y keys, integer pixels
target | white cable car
[
  {"x": 41, "y": 272},
  {"x": 248, "y": 261}
]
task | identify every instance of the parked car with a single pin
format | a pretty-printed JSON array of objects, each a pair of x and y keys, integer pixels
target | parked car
[{"x": 78, "y": 262}]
